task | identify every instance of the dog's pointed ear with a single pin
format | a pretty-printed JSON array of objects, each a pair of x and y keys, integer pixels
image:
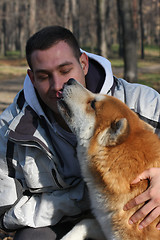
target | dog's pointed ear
[{"x": 115, "y": 134}]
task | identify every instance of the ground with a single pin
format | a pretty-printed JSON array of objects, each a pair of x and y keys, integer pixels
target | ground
[
  {"x": 8, "y": 89},
  {"x": 6, "y": 236}
]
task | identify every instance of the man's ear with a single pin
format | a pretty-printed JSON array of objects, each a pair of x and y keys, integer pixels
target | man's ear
[
  {"x": 31, "y": 75},
  {"x": 84, "y": 62},
  {"x": 115, "y": 134}
]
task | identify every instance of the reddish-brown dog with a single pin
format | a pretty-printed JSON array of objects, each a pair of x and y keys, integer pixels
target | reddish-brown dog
[{"x": 114, "y": 147}]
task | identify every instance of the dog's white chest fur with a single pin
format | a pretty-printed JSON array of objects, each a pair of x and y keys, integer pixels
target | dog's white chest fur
[{"x": 98, "y": 201}]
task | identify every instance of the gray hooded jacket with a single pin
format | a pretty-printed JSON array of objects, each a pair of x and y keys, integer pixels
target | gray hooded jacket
[{"x": 40, "y": 179}]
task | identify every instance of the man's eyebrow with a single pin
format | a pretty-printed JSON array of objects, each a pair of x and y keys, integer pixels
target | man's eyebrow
[
  {"x": 65, "y": 64},
  {"x": 41, "y": 71}
]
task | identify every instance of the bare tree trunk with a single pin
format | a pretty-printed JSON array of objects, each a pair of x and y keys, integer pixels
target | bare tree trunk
[
  {"x": 2, "y": 48},
  {"x": 98, "y": 27},
  {"x": 120, "y": 34},
  {"x": 67, "y": 15},
  {"x": 23, "y": 27},
  {"x": 75, "y": 17},
  {"x": 32, "y": 17},
  {"x": 16, "y": 23},
  {"x": 103, "y": 45},
  {"x": 129, "y": 40},
  {"x": 4, "y": 27},
  {"x": 141, "y": 28},
  {"x": 1, "y": 30},
  {"x": 101, "y": 27}
]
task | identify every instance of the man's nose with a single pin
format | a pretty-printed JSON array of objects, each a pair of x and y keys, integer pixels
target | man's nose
[{"x": 56, "y": 83}]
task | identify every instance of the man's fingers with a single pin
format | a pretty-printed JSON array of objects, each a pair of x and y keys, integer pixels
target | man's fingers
[
  {"x": 143, "y": 197},
  {"x": 151, "y": 199},
  {"x": 142, "y": 176},
  {"x": 142, "y": 212},
  {"x": 158, "y": 226},
  {"x": 150, "y": 218}
]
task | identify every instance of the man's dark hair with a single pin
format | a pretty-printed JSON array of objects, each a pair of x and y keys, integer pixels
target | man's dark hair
[{"x": 47, "y": 37}]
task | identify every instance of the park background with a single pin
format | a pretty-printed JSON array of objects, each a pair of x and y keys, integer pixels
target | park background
[{"x": 127, "y": 32}]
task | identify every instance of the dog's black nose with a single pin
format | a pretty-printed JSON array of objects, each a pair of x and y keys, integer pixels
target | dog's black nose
[{"x": 71, "y": 81}]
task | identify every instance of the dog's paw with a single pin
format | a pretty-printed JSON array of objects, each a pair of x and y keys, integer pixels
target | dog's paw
[
  {"x": 87, "y": 228},
  {"x": 77, "y": 233}
]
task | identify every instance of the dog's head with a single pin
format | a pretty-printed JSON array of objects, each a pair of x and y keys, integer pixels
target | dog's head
[{"x": 101, "y": 116}]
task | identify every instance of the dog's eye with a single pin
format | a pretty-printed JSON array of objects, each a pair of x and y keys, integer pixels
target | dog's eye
[{"x": 93, "y": 104}]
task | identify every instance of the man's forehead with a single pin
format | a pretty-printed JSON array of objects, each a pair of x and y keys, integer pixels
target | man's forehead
[{"x": 53, "y": 57}]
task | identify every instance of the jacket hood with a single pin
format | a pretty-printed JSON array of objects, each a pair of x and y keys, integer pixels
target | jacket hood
[
  {"x": 31, "y": 96},
  {"x": 104, "y": 86},
  {"x": 106, "y": 68}
]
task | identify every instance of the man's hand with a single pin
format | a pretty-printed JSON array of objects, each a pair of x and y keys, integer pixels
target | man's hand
[{"x": 151, "y": 210}]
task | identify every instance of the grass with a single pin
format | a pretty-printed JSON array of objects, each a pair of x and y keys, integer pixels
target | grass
[
  {"x": 14, "y": 70},
  {"x": 150, "y": 79},
  {"x": 147, "y": 74},
  {"x": 152, "y": 56},
  {"x": 10, "y": 72},
  {"x": 12, "y": 67}
]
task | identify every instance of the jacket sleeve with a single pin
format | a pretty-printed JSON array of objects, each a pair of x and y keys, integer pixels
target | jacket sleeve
[
  {"x": 21, "y": 207},
  {"x": 45, "y": 209},
  {"x": 10, "y": 188},
  {"x": 143, "y": 100}
]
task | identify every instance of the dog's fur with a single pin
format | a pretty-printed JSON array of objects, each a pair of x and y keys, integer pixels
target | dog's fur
[{"x": 114, "y": 146}]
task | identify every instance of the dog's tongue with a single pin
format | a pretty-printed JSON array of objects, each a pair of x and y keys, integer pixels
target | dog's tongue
[{"x": 59, "y": 94}]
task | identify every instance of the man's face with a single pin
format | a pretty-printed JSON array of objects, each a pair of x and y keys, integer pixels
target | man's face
[{"x": 53, "y": 67}]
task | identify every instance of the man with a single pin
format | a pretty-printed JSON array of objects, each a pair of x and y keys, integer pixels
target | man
[{"x": 42, "y": 194}]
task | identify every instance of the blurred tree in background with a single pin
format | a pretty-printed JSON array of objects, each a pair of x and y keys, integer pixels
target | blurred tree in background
[{"x": 98, "y": 25}]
